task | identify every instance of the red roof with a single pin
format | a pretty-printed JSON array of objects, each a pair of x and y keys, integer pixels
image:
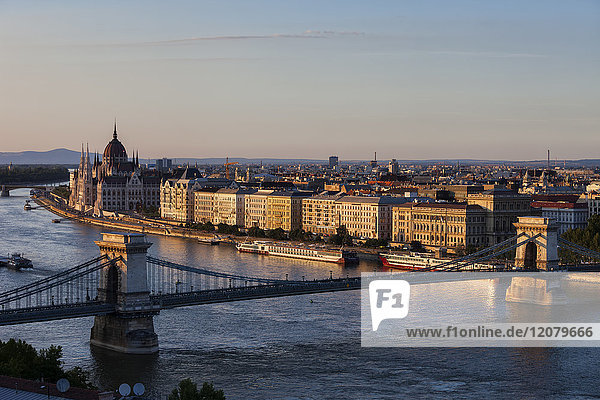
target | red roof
[{"x": 558, "y": 204}]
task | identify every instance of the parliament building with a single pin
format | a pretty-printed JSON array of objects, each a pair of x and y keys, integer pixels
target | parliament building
[{"x": 113, "y": 183}]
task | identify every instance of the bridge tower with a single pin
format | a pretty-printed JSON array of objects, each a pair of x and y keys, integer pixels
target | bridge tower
[
  {"x": 131, "y": 328},
  {"x": 542, "y": 252},
  {"x": 4, "y": 191}
]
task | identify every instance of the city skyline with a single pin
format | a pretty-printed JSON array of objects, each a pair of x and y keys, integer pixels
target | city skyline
[{"x": 410, "y": 81}]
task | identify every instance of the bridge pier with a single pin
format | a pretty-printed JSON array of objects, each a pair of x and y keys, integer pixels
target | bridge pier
[
  {"x": 131, "y": 328},
  {"x": 4, "y": 192}
]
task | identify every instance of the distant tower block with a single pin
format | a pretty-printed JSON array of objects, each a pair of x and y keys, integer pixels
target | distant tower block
[
  {"x": 541, "y": 253},
  {"x": 131, "y": 328},
  {"x": 333, "y": 162}
]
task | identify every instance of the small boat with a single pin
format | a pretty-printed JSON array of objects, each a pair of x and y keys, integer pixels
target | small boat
[
  {"x": 56, "y": 220},
  {"x": 209, "y": 242},
  {"x": 16, "y": 261},
  {"x": 27, "y": 206}
]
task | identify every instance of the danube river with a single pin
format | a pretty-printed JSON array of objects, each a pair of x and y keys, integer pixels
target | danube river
[{"x": 301, "y": 347}]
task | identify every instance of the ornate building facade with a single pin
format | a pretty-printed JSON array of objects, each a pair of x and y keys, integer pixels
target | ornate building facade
[{"x": 113, "y": 183}]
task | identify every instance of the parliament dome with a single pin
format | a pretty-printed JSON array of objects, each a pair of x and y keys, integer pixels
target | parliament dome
[{"x": 114, "y": 150}]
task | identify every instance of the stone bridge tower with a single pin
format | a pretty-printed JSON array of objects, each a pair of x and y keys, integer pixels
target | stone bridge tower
[
  {"x": 131, "y": 328},
  {"x": 541, "y": 253}
]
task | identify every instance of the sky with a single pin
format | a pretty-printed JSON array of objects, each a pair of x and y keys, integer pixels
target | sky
[{"x": 481, "y": 79}]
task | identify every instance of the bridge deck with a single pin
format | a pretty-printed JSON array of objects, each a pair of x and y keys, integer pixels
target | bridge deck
[
  {"x": 256, "y": 292},
  {"x": 51, "y": 313},
  {"x": 93, "y": 308}
]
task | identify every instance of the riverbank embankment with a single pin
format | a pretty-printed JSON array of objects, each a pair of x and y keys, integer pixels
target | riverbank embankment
[{"x": 157, "y": 227}]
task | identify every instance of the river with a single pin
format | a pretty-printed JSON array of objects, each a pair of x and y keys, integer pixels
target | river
[{"x": 299, "y": 347}]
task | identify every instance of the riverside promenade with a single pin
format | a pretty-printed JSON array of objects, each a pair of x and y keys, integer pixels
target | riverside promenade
[
  {"x": 129, "y": 224},
  {"x": 159, "y": 227}
]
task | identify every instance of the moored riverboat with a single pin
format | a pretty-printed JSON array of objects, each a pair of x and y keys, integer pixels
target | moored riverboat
[{"x": 313, "y": 253}]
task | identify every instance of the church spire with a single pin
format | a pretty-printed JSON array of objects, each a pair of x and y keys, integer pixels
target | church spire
[{"x": 115, "y": 131}]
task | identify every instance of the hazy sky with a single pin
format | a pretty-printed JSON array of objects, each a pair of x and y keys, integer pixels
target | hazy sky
[{"x": 304, "y": 79}]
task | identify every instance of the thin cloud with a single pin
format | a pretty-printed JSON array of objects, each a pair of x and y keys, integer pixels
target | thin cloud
[
  {"x": 308, "y": 34},
  {"x": 486, "y": 54}
]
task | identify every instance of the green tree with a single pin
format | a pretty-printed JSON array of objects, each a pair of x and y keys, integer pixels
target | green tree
[
  {"x": 376, "y": 243},
  {"x": 188, "y": 390},
  {"x": 62, "y": 191},
  {"x": 588, "y": 237},
  {"x": 21, "y": 360},
  {"x": 228, "y": 229},
  {"x": 342, "y": 237},
  {"x": 298, "y": 234},
  {"x": 255, "y": 231},
  {"x": 276, "y": 234},
  {"x": 415, "y": 245},
  {"x": 33, "y": 174}
]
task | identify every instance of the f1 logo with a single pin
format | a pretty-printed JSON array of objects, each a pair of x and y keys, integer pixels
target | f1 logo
[{"x": 388, "y": 299}]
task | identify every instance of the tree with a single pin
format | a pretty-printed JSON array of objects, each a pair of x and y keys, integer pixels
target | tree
[
  {"x": 298, "y": 234},
  {"x": 188, "y": 390},
  {"x": 21, "y": 360},
  {"x": 588, "y": 237},
  {"x": 62, "y": 191},
  {"x": 342, "y": 237},
  {"x": 276, "y": 234},
  {"x": 228, "y": 229},
  {"x": 415, "y": 245},
  {"x": 255, "y": 231},
  {"x": 376, "y": 243}
]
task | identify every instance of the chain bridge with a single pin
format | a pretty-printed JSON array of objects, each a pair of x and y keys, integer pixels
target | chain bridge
[{"x": 124, "y": 288}]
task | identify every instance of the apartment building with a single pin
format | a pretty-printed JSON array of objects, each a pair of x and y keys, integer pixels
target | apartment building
[
  {"x": 177, "y": 199},
  {"x": 439, "y": 224},
  {"x": 220, "y": 206},
  {"x": 367, "y": 217},
  {"x": 255, "y": 209},
  {"x": 284, "y": 210},
  {"x": 204, "y": 205},
  {"x": 319, "y": 214}
]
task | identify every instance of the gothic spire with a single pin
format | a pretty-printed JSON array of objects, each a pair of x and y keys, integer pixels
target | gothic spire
[{"x": 115, "y": 131}]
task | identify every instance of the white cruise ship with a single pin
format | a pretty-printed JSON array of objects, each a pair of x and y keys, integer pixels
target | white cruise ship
[
  {"x": 420, "y": 261},
  {"x": 301, "y": 252}
]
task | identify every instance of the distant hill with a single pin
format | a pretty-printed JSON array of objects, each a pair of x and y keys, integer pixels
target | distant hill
[
  {"x": 56, "y": 156},
  {"x": 71, "y": 157}
]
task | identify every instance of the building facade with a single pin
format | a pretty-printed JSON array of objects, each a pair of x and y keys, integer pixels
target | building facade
[
  {"x": 568, "y": 215},
  {"x": 439, "y": 224},
  {"x": 177, "y": 198},
  {"x": 367, "y": 217},
  {"x": 204, "y": 205},
  {"x": 503, "y": 207},
  {"x": 319, "y": 214},
  {"x": 593, "y": 202},
  {"x": 284, "y": 210},
  {"x": 255, "y": 213}
]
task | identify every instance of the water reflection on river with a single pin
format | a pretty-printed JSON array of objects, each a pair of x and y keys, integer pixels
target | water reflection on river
[{"x": 288, "y": 347}]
